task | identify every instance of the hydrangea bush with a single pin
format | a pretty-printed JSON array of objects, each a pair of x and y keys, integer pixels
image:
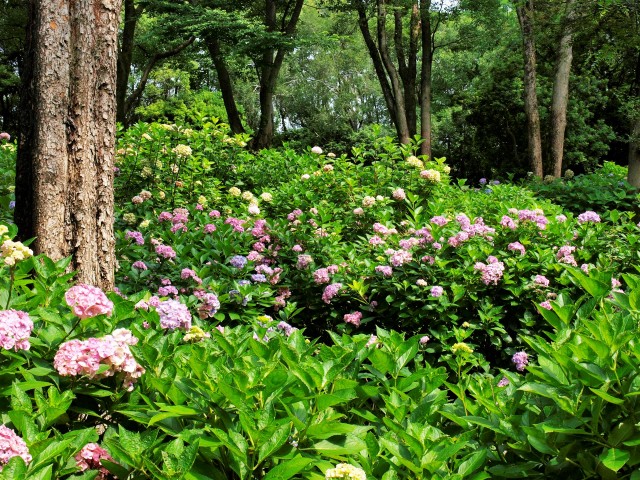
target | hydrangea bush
[{"x": 302, "y": 315}]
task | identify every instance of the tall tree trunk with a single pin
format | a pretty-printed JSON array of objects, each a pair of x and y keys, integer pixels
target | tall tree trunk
[
  {"x": 525, "y": 17},
  {"x": 561, "y": 90},
  {"x": 226, "y": 86},
  {"x": 634, "y": 139},
  {"x": 125, "y": 57},
  {"x": 270, "y": 65},
  {"x": 394, "y": 78},
  {"x": 425, "y": 78},
  {"x": 387, "y": 93},
  {"x": 69, "y": 150},
  {"x": 407, "y": 65}
]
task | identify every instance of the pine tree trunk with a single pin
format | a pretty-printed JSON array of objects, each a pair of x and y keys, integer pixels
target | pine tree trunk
[
  {"x": 561, "y": 91},
  {"x": 71, "y": 146},
  {"x": 525, "y": 17}
]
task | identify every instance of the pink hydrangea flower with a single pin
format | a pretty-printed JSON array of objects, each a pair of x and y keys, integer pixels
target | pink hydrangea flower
[
  {"x": 385, "y": 270},
  {"x": 353, "y": 318},
  {"x": 439, "y": 220},
  {"x": 492, "y": 271},
  {"x": 139, "y": 265},
  {"x": 165, "y": 251},
  {"x": 87, "y": 301},
  {"x": 304, "y": 261},
  {"x": 84, "y": 357},
  {"x": 541, "y": 280},
  {"x": 89, "y": 459},
  {"x": 331, "y": 291},
  {"x": 15, "y": 330},
  {"x": 517, "y": 247},
  {"x": 11, "y": 445}
]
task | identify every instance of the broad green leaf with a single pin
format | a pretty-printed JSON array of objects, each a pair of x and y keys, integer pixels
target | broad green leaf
[
  {"x": 614, "y": 459},
  {"x": 287, "y": 470}
]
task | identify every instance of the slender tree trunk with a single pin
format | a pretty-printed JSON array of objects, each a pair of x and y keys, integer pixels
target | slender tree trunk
[
  {"x": 561, "y": 90},
  {"x": 387, "y": 93},
  {"x": 525, "y": 17},
  {"x": 398, "y": 94},
  {"x": 69, "y": 152},
  {"x": 425, "y": 78},
  {"x": 125, "y": 57},
  {"x": 634, "y": 139},
  {"x": 144, "y": 78},
  {"x": 270, "y": 65},
  {"x": 226, "y": 86}
]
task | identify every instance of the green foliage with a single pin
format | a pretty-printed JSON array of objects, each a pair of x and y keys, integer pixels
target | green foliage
[{"x": 603, "y": 190}]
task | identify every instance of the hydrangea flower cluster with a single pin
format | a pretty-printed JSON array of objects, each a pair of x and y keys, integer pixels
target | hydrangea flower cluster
[
  {"x": 14, "y": 252},
  {"x": 437, "y": 291},
  {"x": 331, "y": 291},
  {"x": 139, "y": 265},
  {"x": 414, "y": 161},
  {"x": 304, "y": 261},
  {"x": 492, "y": 271},
  {"x": 165, "y": 251},
  {"x": 174, "y": 314},
  {"x": 565, "y": 255},
  {"x": 517, "y": 247},
  {"x": 135, "y": 236},
  {"x": 87, "y": 301},
  {"x": 210, "y": 304},
  {"x": 589, "y": 217},
  {"x": 89, "y": 459},
  {"x": 84, "y": 357},
  {"x": 238, "y": 261},
  {"x": 182, "y": 150},
  {"x": 385, "y": 270},
  {"x": 431, "y": 175},
  {"x": 286, "y": 328},
  {"x": 15, "y": 330},
  {"x": 345, "y": 470},
  {"x": 521, "y": 360},
  {"x": 541, "y": 280},
  {"x": 399, "y": 194},
  {"x": 11, "y": 445},
  {"x": 354, "y": 318}
]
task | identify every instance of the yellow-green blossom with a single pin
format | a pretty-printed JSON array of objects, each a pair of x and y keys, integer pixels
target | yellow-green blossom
[
  {"x": 462, "y": 348},
  {"x": 235, "y": 192},
  {"x": 196, "y": 334},
  {"x": 14, "y": 252},
  {"x": 415, "y": 162},
  {"x": 129, "y": 218},
  {"x": 345, "y": 470},
  {"x": 182, "y": 150}
]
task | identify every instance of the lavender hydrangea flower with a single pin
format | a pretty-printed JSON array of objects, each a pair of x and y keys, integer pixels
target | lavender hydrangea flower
[{"x": 521, "y": 360}]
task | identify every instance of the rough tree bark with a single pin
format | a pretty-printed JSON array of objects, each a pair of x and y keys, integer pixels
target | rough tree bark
[
  {"x": 69, "y": 145},
  {"x": 270, "y": 64},
  {"x": 561, "y": 90},
  {"x": 525, "y": 17}
]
